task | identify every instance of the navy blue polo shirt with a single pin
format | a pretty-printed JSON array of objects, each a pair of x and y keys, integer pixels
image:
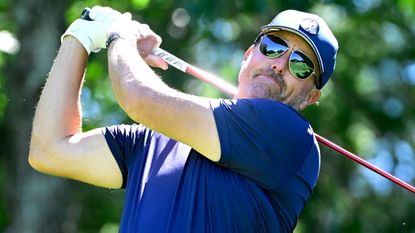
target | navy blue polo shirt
[{"x": 269, "y": 166}]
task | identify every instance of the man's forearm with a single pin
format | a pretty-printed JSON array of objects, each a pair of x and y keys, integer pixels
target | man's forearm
[
  {"x": 58, "y": 113},
  {"x": 147, "y": 100},
  {"x": 135, "y": 85}
]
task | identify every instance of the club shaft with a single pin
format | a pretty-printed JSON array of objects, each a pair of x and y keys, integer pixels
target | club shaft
[
  {"x": 196, "y": 72},
  {"x": 231, "y": 90},
  {"x": 364, "y": 163}
]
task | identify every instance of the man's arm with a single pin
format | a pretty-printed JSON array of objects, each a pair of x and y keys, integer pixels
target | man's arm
[
  {"x": 146, "y": 99},
  {"x": 58, "y": 145}
]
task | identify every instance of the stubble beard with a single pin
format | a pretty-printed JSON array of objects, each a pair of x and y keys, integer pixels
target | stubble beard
[{"x": 279, "y": 95}]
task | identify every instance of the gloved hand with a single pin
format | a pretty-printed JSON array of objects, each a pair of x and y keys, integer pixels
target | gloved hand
[{"x": 93, "y": 34}]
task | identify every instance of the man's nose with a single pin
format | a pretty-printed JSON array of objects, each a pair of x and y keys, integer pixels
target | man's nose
[{"x": 280, "y": 64}]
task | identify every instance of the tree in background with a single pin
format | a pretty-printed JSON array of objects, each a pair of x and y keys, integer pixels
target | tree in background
[
  {"x": 30, "y": 197},
  {"x": 367, "y": 107}
]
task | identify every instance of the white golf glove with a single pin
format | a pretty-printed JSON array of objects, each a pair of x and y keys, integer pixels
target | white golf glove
[{"x": 93, "y": 34}]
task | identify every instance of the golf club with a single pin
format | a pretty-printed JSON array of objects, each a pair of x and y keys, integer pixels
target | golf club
[{"x": 231, "y": 90}]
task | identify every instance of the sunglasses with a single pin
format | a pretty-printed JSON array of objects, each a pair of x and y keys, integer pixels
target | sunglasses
[{"x": 300, "y": 65}]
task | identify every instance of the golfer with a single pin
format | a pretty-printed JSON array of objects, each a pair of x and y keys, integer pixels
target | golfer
[{"x": 191, "y": 164}]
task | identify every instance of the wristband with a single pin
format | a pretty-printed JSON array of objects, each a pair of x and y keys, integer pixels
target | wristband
[{"x": 113, "y": 36}]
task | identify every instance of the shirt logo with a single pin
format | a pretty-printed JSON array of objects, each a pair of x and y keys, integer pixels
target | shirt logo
[{"x": 310, "y": 26}]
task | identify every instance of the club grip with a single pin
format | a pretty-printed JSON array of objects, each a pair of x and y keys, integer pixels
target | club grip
[{"x": 171, "y": 59}]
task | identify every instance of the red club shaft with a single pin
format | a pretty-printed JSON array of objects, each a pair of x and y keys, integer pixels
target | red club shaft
[{"x": 363, "y": 162}]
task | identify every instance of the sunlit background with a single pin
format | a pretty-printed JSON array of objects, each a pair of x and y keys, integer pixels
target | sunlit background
[{"x": 368, "y": 106}]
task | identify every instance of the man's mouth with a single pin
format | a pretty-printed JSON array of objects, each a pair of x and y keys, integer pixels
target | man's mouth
[{"x": 276, "y": 78}]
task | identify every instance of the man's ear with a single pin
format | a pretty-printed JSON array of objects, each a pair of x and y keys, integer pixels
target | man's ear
[
  {"x": 313, "y": 97},
  {"x": 248, "y": 52}
]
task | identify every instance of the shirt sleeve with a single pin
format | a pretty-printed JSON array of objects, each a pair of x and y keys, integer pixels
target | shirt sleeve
[
  {"x": 262, "y": 139},
  {"x": 126, "y": 142}
]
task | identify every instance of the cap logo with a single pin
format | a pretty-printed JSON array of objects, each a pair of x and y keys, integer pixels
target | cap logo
[{"x": 310, "y": 26}]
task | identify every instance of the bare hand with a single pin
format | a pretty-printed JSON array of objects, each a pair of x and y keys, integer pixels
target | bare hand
[{"x": 140, "y": 36}]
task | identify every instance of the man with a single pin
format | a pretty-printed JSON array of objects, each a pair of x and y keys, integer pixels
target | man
[{"x": 192, "y": 164}]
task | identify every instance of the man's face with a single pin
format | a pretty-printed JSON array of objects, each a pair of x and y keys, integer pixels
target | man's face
[{"x": 264, "y": 77}]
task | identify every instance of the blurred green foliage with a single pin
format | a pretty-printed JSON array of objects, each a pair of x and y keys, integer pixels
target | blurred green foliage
[{"x": 367, "y": 107}]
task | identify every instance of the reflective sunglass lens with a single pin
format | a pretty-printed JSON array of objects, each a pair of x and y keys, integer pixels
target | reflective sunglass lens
[
  {"x": 272, "y": 46},
  {"x": 300, "y": 65}
]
